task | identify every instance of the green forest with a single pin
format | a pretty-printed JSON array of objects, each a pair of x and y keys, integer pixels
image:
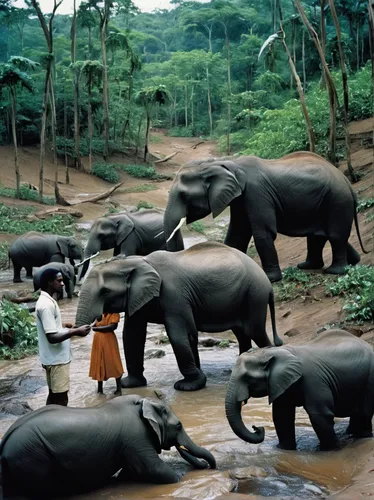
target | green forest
[{"x": 264, "y": 78}]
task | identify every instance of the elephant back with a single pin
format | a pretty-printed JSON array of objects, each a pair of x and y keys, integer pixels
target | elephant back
[
  {"x": 149, "y": 225},
  {"x": 32, "y": 248}
]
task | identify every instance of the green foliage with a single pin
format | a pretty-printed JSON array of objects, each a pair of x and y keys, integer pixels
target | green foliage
[
  {"x": 26, "y": 194},
  {"x": 295, "y": 283},
  {"x": 139, "y": 188},
  {"x": 356, "y": 286},
  {"x": 106, "y": 171},
  {"x": 4, "y": 260},
  {"x": 14, "y": 220},
  {"x": 364, "y": 204},
  {"x": 18, "y": 321},
  {"x": 144, "y": 204},
  {"x": 198, "y": 226},
  {"x": 97, "y": 146},
  {"x": 224, "y": 343},
  {"x": 140, "y": 171},
  {"x": 181, "y": 132}
]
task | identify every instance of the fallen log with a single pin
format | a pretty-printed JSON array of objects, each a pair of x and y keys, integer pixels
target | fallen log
[
  {"x": 98, "y": 197},
  {"x": 197, "y": 144},
  {"x": 43, "y": 214},
  {"x": 161, "y": 160}
]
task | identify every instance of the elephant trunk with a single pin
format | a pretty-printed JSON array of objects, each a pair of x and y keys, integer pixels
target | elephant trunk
[
  {"x": 88, "y": 309},
  {"x": 93, "y": 247},
  {"x": 191, "y": 452},
  {"x": 175, "y": 211},
  {"x": 233, "y": 413}
]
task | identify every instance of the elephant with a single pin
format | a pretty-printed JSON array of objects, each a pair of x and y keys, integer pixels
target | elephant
[
  {"x": 209, "y": 287},
  {"x": 68, "y": 274},
  {"x": 62, "y": 450},
  {"x": 138, "y": 233},
  {"x": 35, "y": 249},
  {"x": 300, "y": 194},
  {"x": 331, "y": 376}
]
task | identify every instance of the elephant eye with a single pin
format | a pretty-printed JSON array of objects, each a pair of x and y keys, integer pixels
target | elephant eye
[{"x": 179, "y": 426}]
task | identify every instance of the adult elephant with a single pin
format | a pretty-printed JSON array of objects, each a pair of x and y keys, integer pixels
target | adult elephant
[
  {"x": 58, "y": 450},
  {"x": 138, "y": 233},
  {"x": 331, "y": 376},
  {"x": 300, "y": 194},
  {"x": 35, "y": 249},
  {"x": 209, "y": 287},
  {"x": 68, "y": 274}
]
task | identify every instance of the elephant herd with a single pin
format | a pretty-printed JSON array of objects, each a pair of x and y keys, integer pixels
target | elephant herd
[{"x": 209, "y": 287}]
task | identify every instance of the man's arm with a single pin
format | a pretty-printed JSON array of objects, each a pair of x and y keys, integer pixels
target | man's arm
[
  {"x": 64, "y": 334},
  {"x": 105, "y": 329}
]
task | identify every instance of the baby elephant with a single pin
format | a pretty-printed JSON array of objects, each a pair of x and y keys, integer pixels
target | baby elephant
[
  {"x": 332, "y": 376},
  {"x": 60, "y": 450}
]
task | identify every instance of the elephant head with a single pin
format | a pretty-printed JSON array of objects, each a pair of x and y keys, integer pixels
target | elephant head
[
  {"x": 169, "y": 431},
  {"x": 119, "y": 285},
  {"x": 70, "y": 248},
  {"x": 201, "y": 188},
  {"x": 106, "y": 232},
  {"x": 259, "y": 373}
]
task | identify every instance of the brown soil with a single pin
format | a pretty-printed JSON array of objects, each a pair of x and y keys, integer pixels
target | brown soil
[{"x": 301, "y": 317}]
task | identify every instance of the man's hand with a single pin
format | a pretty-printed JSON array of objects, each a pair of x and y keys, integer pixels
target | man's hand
[{"x": 83, "y": 331}]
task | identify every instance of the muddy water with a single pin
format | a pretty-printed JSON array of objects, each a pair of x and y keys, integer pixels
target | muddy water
[{"x": 243, "y": 470}]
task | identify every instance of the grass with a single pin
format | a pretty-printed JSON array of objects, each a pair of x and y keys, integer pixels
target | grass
[
  {"x": 198, "y": 227},
  {"x": 109, "y": 172},
  {"x": 14, "y": 220},
  {"x": 21, "y": 325},
  {"x": 26, "y": 194},
  {"x": 296, "y": 283},
  {"x": 139, "y": 188},
  {"x": 144, "y": 204},
  {"x": 4, "y": 260},
  {"x": 364, "y": 204}
]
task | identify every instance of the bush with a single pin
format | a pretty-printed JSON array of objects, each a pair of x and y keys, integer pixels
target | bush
[
  {"x": 181, "y": 132},
  {"x": 97, "y": 146},
  {"x": 14, "y": 220},
  {"x": 26, "y": 194},
  {"x": 18, "y": 326},
  {"x": 140, "y": 171},
  {"x": 106, "y": 171},
  {"x": 144, "y": 204},
  {"x": 295, "y": 283},
  {"x": 198, "y": 226},
  {"x": 364, "y": 204},
  {"x": 4, "y": 260}
]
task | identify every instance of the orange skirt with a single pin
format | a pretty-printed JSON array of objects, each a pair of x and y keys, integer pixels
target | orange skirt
[{"x": 105, "y": 358}]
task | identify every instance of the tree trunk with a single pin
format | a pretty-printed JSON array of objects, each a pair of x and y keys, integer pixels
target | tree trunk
[
  {"x": 43, "y": 129},
  {"x": 14, "y": 134},
  {"x": 52, "y": 106},
  {"x": 138, "y": 137},
  {"x": 228, "y": 90},
  {"x": 90, "y": 128},
  {"x": 186, "y": 105},
  {"x": 105, "y": 89},
  {"x": 333, "y": 98},
  {"x": 209, "y": 103},
  {"x": 192, "y": 110},
  {"x": 77, "y": 159},
  {"x": 303, "y": 58},
  {"x": 148, "y": 126},
  {"x": 67, "y": 177},
  {"x": 352, "y": 173}
]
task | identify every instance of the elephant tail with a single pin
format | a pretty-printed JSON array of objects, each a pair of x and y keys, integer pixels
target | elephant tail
[
  {"x": 277, "y": 340},
  {"x": 358, "y": 229}
]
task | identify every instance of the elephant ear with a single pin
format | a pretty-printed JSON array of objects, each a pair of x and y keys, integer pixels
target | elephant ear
[
  {"x": 144, "y": 284},
  {"x": 223, "y": 185},
  {"x": 124, "y": 226},
  {"x": 284, "y": 370},
  {"x": 150, "y": 412},
  {"x": 63, "y": 246}
]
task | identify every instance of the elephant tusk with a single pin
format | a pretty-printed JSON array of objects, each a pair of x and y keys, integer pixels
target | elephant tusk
[
  {"x": 183, "y": 448},
  {"x": 88, "y": 258},
  {"x": 159, "y": 234},
  {"x": 181, "y": 222}
]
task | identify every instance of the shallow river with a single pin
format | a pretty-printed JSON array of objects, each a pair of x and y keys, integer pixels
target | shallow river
[{"x": 243, "y": 470}]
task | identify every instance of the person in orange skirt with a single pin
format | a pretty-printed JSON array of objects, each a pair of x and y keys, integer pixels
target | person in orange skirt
[{"x": 105, "y": 357}]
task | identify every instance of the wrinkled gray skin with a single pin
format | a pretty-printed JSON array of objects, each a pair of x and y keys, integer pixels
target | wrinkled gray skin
[
  {"x": 332, "y": 375},
  {"x": 138, "y": 233},
  {"x": 35, "y": 249},
  {"x": 68, "y": 274},
  {"x": 209, "y": 287},
  {"x": 61, "y": 450},
  {"x": 300, "y": 194}
]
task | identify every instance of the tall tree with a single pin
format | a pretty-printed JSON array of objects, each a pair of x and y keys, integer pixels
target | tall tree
[
  {"x": 73, "y": 35},
  {"x": 48, "y": 34}
]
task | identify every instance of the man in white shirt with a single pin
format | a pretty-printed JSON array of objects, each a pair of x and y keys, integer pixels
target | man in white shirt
[{"x": 53, "y": 339}]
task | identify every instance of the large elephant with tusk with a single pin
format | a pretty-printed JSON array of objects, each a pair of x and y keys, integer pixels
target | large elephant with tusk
[
  {"x": 56, "y": 450},
  {"x": 138, "y": 233},
  {"x": 300, "y": 194}
]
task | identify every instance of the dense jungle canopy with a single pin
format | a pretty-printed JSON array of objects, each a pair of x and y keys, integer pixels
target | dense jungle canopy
[{"x": 267, "y": 78}]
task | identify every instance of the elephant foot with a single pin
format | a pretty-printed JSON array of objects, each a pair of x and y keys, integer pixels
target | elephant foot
[
  {"x": 29, "y": 277},
  {"x": 133, "y": 381},
  {"x": 287, "y": 445},
  {"x": 274, "y": 275},
  {"x": 336, "y": 269},
  {"x": 329, "y": 446},
  {"x": 308, "y": 264},
  {"x": 17, "y": 280},
  {"x": 191, "y": 383}
]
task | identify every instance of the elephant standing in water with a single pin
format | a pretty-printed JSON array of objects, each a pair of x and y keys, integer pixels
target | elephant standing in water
[
  {"x": 58, "y": 450},
  {"x": 138, "y": 233},
  {"x": 68, "y": 275},
  {"x": 35, "y": 249},
  {"x": 331, "y": 376},
  {"x": 209, "y": 287},
  {"x": 300, "y": 194}
]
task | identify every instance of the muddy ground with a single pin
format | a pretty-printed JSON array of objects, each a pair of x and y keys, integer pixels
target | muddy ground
[{"x": 345, "y": 474}]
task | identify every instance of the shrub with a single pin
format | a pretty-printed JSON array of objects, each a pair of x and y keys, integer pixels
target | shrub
[
  {"x": 139, "y": 171},
  {"x": 26, "y": 194},
  {"x": 20, "y": 324},
  {"x": 295, "y": 283},
  {"x": 198, "y": 226},
  {"x": 4, "y": 260},
  {"x": 144, "y": 204},
  {"x": 364, "y": 204},
  {"x": 181, "y": 132},
  {"x": 106, "y": 171}
]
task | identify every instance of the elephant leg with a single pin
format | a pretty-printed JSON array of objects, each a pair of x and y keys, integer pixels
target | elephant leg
[
  {"x": 29, "y": 273},
  {"x": 257, "y": 311},
  {"x": 339, "y": 256},
  {"x": 180, "y": 329},
  {"x": 353, "y": 257},
  {"x": 17, "y": 273},
  {"x": 148, "y": 467},
  {"x": 195, "y": 350},
  {"x": 323, "y": 426},
  {"x": 244, "y": 339},
  {"x": 265, "y": 247},
  {"x": 314, "y": 258},
  {"x": 284, "y": 422},
  {"x": 360, "y": 426},
  {"x": 134, "y": 334},
  {"x": 239, "y": 232}
]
